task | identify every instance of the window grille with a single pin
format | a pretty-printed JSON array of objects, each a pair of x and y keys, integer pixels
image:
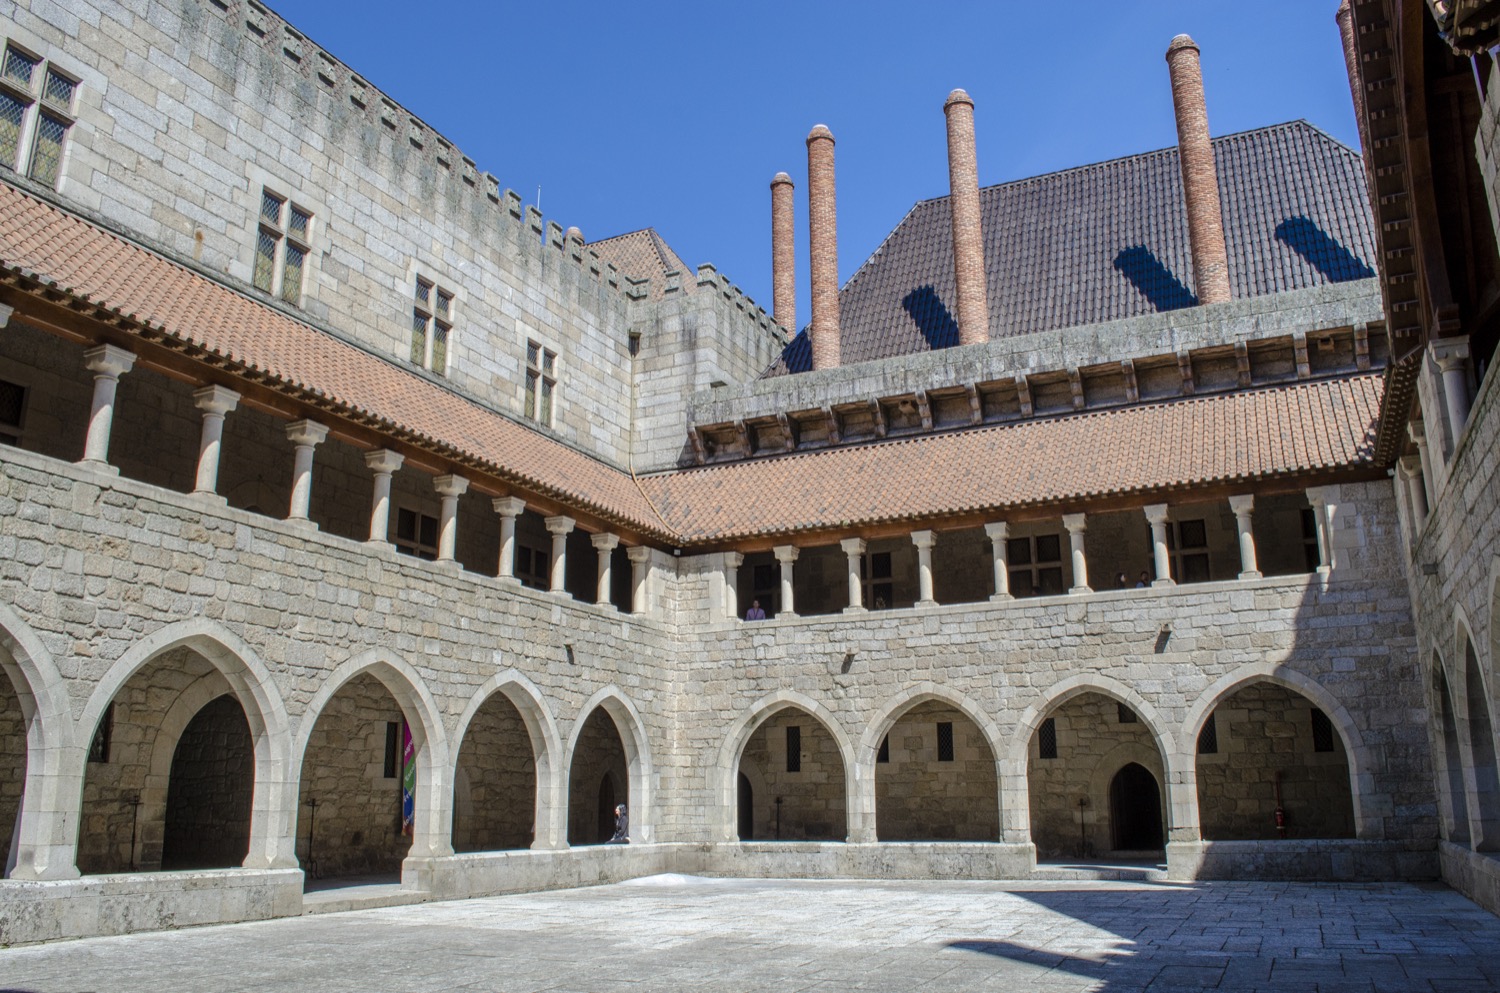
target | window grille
[
  {"x": 793, "y": 749},
  {"x": 541, "y": 382},
  {"x": 281, "y": 248},
  {"x": 1125, "y": 714},
  {"x": 945, "y": 741},
  {"x": 1322, "y": 732},
  {"x": 36, "y": 114},
  {"x": 1208, "y": 738},
  {"x": 1046, "y": 739}
]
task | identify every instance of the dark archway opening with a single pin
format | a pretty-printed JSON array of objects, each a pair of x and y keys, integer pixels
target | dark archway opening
[
  {"x": 1135, "y": 810},
  {"x": 599, "y": 767},
  {"x": 210, "y": 790},
  {"x": 745, "y": 808},
  {"x": 797, "y": 763},
  {"x": 12, "y": 764},
  {"x": 935, "y": 779},
  {"x": 495, "y": 789}
]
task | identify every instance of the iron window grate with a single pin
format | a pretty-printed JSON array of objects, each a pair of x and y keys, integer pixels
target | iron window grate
[
  {"x": 1046, "y": 739},
  {"x": 1208, "y": 738},
  {"x": 945, "y": 741},
  {"x": 794, "y": 749}
]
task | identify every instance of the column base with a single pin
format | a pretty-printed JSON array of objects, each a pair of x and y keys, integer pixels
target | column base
[
  {"x": 790, "y": 615},
  {"x": 210, "y": 496},
  {"x": 1250, "y": 574},
  {"x": 855, "y": 610},
  {"x": 1163, "y": 582},
  {"x": 379, "y": 545},
  {"x": 1080, "y": 590},
  {"x": 510, "y": 581},
  {"x": 452, "y": 565},
  {"x": 1000, "y": 597},
  {"x": 925, "y": 604},
  {"x": 98, "y": 466},
  {"x": 302, "y": 522}
]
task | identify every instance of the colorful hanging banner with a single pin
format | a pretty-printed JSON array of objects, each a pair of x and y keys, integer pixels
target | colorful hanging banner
[{"x": 408, "y": 780}]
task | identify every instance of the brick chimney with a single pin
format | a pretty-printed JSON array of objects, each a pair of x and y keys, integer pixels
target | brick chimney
[
  {"x": 968, "y": 241},
  {"x": 783, "y": 252},
  {"x": 823, "y": 240},
  {"x": 1200, "y": 183}
]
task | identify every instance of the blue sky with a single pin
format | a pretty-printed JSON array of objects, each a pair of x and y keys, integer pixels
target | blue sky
[{"x": 677, "y": 116}]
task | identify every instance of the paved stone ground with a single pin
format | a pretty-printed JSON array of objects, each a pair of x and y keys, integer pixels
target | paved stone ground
[{"x": 686, "y": 933}]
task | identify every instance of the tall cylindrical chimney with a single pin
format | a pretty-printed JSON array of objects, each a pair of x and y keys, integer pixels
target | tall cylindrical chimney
[
  {"x": 823, "y": 241},
  {"x": 968, "y": 241},
  {"x": 783, "y": 252},
  {"x": 1200, "y": 184}
]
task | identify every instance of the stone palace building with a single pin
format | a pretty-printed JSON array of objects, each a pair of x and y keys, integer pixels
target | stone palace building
[{"x": 356, "y": 521}]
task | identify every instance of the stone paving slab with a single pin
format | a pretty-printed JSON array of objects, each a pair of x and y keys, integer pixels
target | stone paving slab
[{"x": 671, "y": 933}]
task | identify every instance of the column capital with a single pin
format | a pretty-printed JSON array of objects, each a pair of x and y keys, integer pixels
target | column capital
[
  {"x": 1317, "y": 495},
  {"x": 508, "y": 506},
  {"x": 604, "y": 541},
  {"x": 216, "y": 400},
  {"x": 384, "y": 460},
  {"x": 1075, "y": 522},
  {"x": 1418, "y": 432},
  {"x": 1409, "y": 466},
  {"x": 306, "y": 432},
  {"x": 639, "y": 553},
  {"x": 786, "y": 553},
  {"x": 560, "y": 525},
  {"x": 1450, "y": 353},
  {"x": 734, "y": 560},
  {"x": 450, "y": 485},
  {"x": 1242, "y": 504},
  {"x": 997, "y": 530},
  {"x": 108, "y": 360},
  {"x": 923, "y": 539},
  {"x": 1156, "y": 513},
  {"x": 854, "y": 546}
]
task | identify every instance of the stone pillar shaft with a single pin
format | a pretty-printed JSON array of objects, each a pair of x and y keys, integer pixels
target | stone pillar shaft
[
  {"x": 509, "y": 508},
  {"x": 786, "y": 555},
  {"x": 924, "y": 541},
  {"x": 215, "y": 402},
  {"x": 306, "y": 435},
  {"x": 732, "y": 563},
  {"x": 450, "y": 488},
  {"x": 108, "y": 364},
  {"x": 606, "y": 545},
  {"x": 1156, "y": 514},
  {"x": 854, "y": 553},
  {"x": 559, "y": 527},
  {"x": 1242, "y": 505},
  {"x": 640, "y": 576},
  {"x": 382, "y": 462},
  {"x": 999, "y": 534}
]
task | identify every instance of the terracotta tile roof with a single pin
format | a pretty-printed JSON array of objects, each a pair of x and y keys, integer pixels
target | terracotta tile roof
[
  {"x": 1280, "y": 431},
  {"x": 644, "y": 255},
  {"x": 40, "y": 240},
  {"x": 1109, "y": 241},
  {"x": 1310, "y": 427}
]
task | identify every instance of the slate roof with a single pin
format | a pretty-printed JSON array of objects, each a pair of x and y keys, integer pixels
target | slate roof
[
  {"x": 1268, "y": 433},
  {"x": 1109, "y": 241},
  {"x": 644, "y": 255}
]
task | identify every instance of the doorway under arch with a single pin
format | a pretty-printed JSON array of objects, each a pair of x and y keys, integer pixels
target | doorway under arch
[
  {"x": 495, "y": 785},
  {"x": 598, "y": 780},
  {"x": 1135, "y": 810},
  {"x": 210, "y": 790},
  {"x": 797, "y": 762}
]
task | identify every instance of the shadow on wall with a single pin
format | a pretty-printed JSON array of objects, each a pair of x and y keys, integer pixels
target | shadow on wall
[
  {"x": 1335, "y": 262},
  {"x": 926, "y": 308},
  {"x": 1153, "y": 279}
]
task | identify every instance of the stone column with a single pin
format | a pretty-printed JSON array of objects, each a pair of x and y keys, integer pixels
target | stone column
[
  {"x": 1241, "y": 505},
  {"x": 450, "y": 488},
  {"x": 1418, "y": 432},
  {"x": 1452, "y": 355},
  {"x": 640, "y": 574},
  {"x": 108, "y": 364},
  {"x": 1156, "y": 514},
  {"x": 924, "y": 541},
  {"x": 559, "y": 527},
  {"x": 509, "y": 508},
  {"x": 732, "y": 563},
  {"x": 215, "y": 402},
  {"x": 1077, "y": 525},
  {"x": 999, "y": 533},
  {"x": 383, "y": 462},
  {"x": 46, "y": 841},
  {"x": 605, "y": 544},
  {"x": 1409, "y": 468},
  {"x": 854, "y": 552},
  {"x": 306, "y": 435},
  {"x": 786, "y": 555},
  {"x": 1323, "y": 520}
]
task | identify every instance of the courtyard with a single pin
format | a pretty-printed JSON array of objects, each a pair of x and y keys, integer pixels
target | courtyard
[{"x": 677, "y": 932}]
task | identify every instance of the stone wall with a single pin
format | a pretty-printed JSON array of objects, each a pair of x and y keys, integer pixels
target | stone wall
[
  {"x": 494, "y": 802},
  {"x": 1265, "y": 744},
  {"x": 209, "y": 792},
  {"x": 919, "y": 797},
  {"x": 806, "y": 804}
]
